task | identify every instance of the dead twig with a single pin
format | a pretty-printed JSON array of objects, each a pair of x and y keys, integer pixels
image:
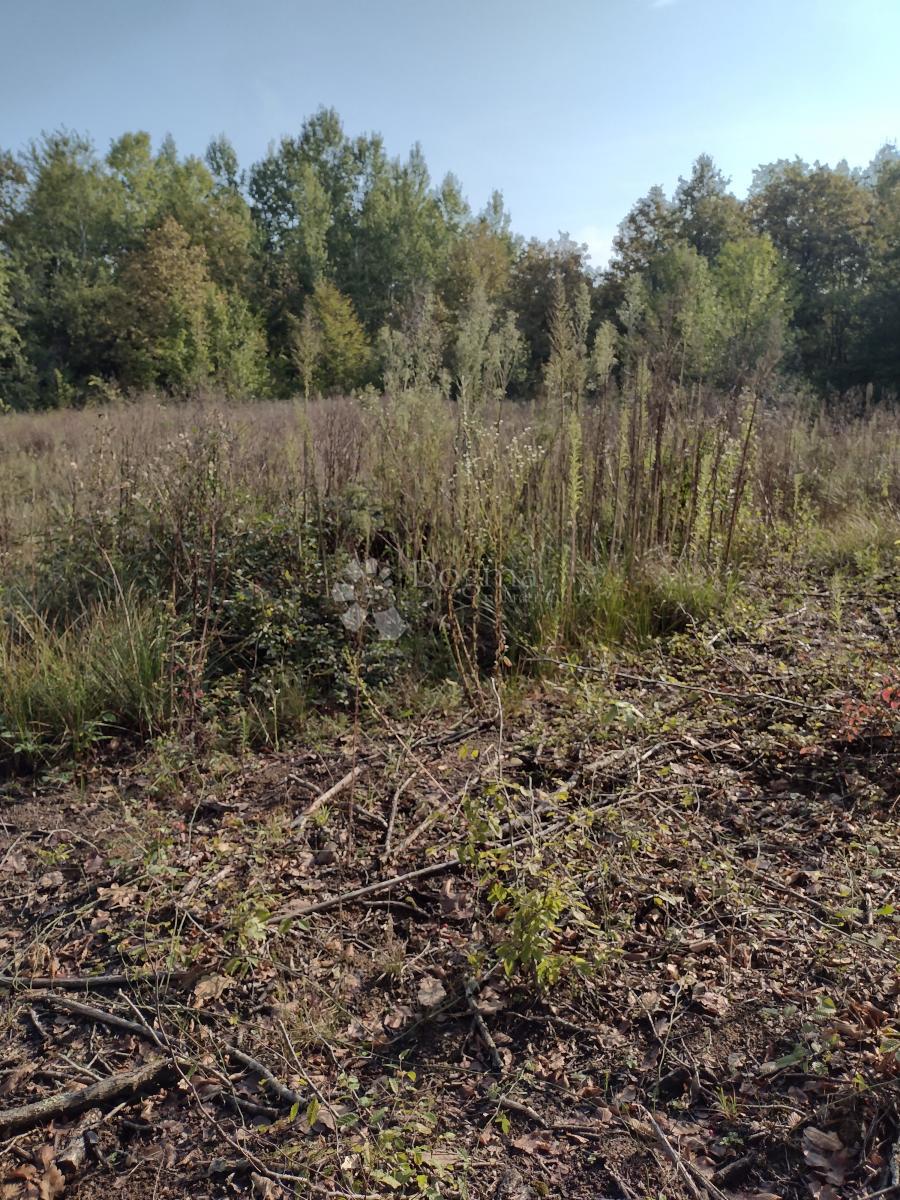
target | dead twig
[
  {"x": 286, "y": 1095},
  {"x": 651, "y": 681},
  {"x": 381, "y": 885},
  {"x": 100, "y": 1015},
  {"x": 87, "y": 982},
  {"x": 679, "y": 1164},
  {"x": 384, "y": 885},
  {"x": 483, "y": 1032},
  {"x": 334, "y": 791},
  {"x": 398, "y": 792}
]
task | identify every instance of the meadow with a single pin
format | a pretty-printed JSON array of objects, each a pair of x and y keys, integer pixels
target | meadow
[{"x": 188, "y": 569}]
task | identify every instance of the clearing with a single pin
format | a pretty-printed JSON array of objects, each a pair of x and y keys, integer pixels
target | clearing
[{"x": 666, "y": 964}]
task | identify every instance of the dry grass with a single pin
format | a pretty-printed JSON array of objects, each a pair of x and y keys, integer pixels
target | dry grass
[{"x": 511, "y": 531}]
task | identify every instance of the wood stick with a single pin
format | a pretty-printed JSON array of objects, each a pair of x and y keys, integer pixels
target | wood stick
[
  {"x": 115, "y": 1086},
  {"x": 688, "y": 687},
  {"x": 285, "y": 1094},
  {"x": 522, "y": 1110},
  {"x": 383, "y": 885},
  {"x": 101, "y": 1015},
  {"x": 335, "y": 790},
  {"x": 394, "y": 805},
  {"x": 675, "y": 1158},
  {"x": 483, "y": 1032},
  {"x": 86, "y": 982}
]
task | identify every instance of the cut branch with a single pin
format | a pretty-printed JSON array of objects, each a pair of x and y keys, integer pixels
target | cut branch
[
  {"x": 341, "y": 786},
  {"x": 126, "y": 1083}
]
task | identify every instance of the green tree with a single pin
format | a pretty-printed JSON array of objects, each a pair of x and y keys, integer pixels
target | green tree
[
  {"x": 345, "y": 355},
  {"x": 236, "y": 345},
  {"x": 533, "y": 295},
  {"x": 648, "y": 229},
  {"x": 65, "y": 234},
  {"x": 753, "y": 310},
  {"x": 165, "y": 292},
  {"x": 481, "y": 253},
  {"x": 402, "y": 241},
  {"x": 879, "y": 342},
  {"x": 819, "y": 220},
  {"x": 11, "y": 361},
  {"x": 706, "y": 214},
  {"x": 679, "y": 324}
]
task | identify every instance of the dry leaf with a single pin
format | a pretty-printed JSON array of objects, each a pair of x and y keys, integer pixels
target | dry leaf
[
  {"x": 265, "y": 1189},
  {"x": 431, "y": 991},
  {"x": 52, "y": 1184},
  {"x": 211, "y": 987},
  {"x": 827, "y": 1142},
  {"x": 534, "y": 1143}
]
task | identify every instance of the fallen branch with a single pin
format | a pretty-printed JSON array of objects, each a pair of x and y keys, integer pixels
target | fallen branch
[
  {"x": 680, "y": 1166},
  {"x": 522, "y": 1110},
  {"x": 394, "y": 805},
  {"x": 455, "y": 735},
  {"x": 286, "y": 1095},
  {"x": 115, "y": 1086},
  {"x": 651, "y": 681},
  {"x": 483, "y": 1032},
  {"x": 77, "y": 983},
  {"x": 383, "y": 885},
  {"x": 325, "y": 797},
  {"x": 99, "y": 1014}
]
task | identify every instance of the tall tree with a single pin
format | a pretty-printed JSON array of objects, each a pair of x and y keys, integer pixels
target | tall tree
[
  {"x": 753, "y": 310},
  {"x": 344, "y": 357},
  {"x": 879, "y": 342},
  {"x": 539, "y": 271},
  {"x": 706, "y": 214},
  {"x": 819, "y": 220}
]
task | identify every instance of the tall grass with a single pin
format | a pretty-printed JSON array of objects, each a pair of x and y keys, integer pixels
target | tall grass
[
  {"x": 63, "y": 690},
  {"x": 159, "y": 559}
]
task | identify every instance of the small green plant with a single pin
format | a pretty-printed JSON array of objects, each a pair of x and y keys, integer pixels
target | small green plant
[
  {"x": 249, "y": 933},
  {"x": 535, "y": 943}
]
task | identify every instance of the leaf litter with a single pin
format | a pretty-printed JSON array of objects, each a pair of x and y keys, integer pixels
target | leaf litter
[{"x": 662, "y": 958}]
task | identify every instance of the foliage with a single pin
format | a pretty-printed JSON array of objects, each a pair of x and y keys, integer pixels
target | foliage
[
  {"x": 145, "y": 269},
  {"x": 343, "y": 355}
]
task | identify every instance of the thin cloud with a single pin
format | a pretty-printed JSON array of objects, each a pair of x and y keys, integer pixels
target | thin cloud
[{"x": 662, "y": 3}]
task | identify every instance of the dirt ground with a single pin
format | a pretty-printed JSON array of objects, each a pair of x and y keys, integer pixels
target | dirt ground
[{"x": 632, "y": 932}]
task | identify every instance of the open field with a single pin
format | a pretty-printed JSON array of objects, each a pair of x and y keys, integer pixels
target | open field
[
  {"x": 404, "y": 802},
  {"x": 449, "y": 675}
]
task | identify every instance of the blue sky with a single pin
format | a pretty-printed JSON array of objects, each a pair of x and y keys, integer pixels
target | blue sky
[{"x": 573, "y": 108}]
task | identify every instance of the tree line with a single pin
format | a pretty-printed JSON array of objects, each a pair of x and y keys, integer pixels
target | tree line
[{"x": 330, "y": 266}]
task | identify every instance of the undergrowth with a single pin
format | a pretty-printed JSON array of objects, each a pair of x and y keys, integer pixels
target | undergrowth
[{"x": 219, "y": 571}]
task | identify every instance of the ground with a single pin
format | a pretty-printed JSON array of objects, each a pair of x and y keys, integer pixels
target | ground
[{"x": 651, "y": 948}]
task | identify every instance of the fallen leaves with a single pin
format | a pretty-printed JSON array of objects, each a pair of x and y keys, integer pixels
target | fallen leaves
[{"x": 211, "y": 987}]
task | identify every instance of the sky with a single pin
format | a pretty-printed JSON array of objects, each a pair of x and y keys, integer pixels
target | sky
[{"x": 572, "y": 108}]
